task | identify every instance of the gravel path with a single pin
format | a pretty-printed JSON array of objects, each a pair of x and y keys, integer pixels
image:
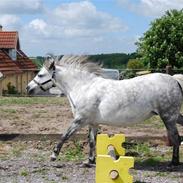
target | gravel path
[{"x": 28, "y": 162}]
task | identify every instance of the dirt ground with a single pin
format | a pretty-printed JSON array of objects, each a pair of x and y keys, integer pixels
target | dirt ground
[
  {"x": 27, "y": 161},
  {"x": 54, "y": 117}
]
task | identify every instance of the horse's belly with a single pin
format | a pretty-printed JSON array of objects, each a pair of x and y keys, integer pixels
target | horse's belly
[{"x": 125, "y": 116}]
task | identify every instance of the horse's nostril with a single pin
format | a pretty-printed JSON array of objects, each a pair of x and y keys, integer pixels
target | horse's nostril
[
  {"x": 30, "y": 91},
  {"x": 27, "y": 88}
]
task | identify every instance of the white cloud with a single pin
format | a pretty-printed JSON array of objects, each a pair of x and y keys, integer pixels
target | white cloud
[
  {"x": 85, "y": 15},
  {"x": 21, "y": 6},
  {"x": 152, "y": 8},
  {"x": 9, "y": 21},
  {"x": 79, "y": 19},
  {"x": 77, "y": 27},
  {"x": 38, "y": 25}
]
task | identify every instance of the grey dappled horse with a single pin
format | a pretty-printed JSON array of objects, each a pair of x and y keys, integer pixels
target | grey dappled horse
[{"x": 95, "y": 100}]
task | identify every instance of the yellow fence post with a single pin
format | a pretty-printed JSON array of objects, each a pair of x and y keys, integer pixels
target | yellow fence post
[{"x": 111, "y": 169}]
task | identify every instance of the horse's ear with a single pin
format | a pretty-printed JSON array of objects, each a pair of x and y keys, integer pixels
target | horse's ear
[
  {"x": 52, "y": 65},
  {"x": 49, "y": 62}
]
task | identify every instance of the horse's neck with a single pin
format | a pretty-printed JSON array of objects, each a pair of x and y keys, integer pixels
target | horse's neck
[
  {"x": 72, "y": 82},
  {"x": 71, "y": 85}
]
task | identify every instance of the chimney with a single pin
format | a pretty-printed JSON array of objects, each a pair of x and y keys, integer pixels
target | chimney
[{"x": 1, "y": 28}]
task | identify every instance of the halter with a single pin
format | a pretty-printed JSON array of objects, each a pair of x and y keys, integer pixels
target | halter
[{"x": 52, "y": 79}]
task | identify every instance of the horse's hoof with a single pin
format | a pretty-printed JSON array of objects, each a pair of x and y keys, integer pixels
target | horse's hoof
[
  {"x": 88, "y": 164},
  {"x": 53, "y": 157}
]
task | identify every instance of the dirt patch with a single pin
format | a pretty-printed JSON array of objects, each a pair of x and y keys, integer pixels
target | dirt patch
[{"x": 54, "y": 117}]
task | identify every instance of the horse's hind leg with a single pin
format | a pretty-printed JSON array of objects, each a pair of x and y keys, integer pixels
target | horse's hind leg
[
  {"x": 75, "y": 125},
  {"x": 173, "y": 135},
  {"x": 92, "y": 144},
  {"x": 180, "y": 119}
]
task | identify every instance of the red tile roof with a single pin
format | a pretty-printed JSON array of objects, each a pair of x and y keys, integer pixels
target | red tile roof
[
  {"x": 9, "y": 39},
  {"x": 7, "y": 65},
  {"x": 24, "y": 62}
]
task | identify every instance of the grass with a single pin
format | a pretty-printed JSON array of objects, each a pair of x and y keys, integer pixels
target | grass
[
  {"x": 73, "y": 153},
  {"x": 151, "y": 161},
  {"x": 17, "y": 150},
  {"x": 146, "y": 155},
  {"x": 8, "y": 111},
  {"x": 64, "y": 178},
  {"x": 24, "y": 173},
  {"x": 11, "y": 150},
  {"x": 31, "y": 100}
]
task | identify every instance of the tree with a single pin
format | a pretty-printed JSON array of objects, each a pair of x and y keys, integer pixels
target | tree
[
  {"x": 113, "y": 60},
  {"x": 135, "y": 64},
  {"x": 162, "y": 44}
]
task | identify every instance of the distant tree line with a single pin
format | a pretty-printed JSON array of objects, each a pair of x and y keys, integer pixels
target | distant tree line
[{"x": 113, "y": 60}]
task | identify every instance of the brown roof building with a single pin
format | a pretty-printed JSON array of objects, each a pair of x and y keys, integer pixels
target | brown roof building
[{"x": 14, "y": 63}]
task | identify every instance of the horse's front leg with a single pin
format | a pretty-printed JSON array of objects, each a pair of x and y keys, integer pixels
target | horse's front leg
[{"x": 75, "y": 125}]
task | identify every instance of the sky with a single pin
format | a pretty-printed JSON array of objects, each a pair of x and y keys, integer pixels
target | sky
[{"x": 81, "y": 26}]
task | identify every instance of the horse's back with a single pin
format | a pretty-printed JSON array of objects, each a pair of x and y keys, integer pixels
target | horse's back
[{"x": 136, "y": 99}]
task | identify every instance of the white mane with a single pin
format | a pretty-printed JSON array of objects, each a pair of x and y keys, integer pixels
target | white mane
[{"x": 81, "y": 63}]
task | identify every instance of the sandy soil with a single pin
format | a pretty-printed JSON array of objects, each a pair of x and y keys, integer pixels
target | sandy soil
[{"x": 55, "y": 118}]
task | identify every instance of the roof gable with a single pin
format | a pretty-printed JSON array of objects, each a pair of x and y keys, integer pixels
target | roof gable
[
  {"x": 7, "y": 66},
  {"x": 24, "y": 62},
  {"x": 9, "y": 40}
]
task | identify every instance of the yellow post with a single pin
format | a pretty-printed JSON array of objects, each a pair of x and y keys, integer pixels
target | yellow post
[
  {"x": 109, "y": 170},
  {"x": 103, "y": 141}
]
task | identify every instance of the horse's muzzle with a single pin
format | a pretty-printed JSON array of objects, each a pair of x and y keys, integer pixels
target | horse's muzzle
[{"x": 29, "y": 90}]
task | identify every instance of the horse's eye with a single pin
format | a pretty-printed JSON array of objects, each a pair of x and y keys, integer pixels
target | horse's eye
[{"x": 40, "y": 75}]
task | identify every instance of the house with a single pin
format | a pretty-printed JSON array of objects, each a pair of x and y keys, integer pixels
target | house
[{"x": 17, "y": 69}]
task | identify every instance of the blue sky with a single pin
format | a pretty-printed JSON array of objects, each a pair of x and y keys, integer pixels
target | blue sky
[{"x": 81, "y": 26}]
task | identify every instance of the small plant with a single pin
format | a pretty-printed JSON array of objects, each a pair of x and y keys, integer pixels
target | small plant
[
  {"x": 162, "y": 174},
  {"x": 139, "y": 150},
  {"x": 24, "y": 173},
  {"x": 10, "y": 89},
  {"x": 152, "y": 161},
  {"x": 64, "y": 177},
  {"x": 17, "y": 151},
  {"x": 74, "y": 153}
]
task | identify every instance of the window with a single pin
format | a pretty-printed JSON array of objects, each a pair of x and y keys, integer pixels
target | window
[{"x": 13, "y": 54}]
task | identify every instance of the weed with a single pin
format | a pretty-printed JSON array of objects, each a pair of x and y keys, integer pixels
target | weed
[
  {"x": 152, "y": 161},
  {"x": 40, "y": 158},
  {"x": 64, "y": 177},
  {"x": 24, "y": 173},
  {"x": 17, "y": 151},
  {"x": 42, "y": 171},
  {"x": 162, "y": 174},
  {"x": 73, "y": 153},
  {"x": 139, "y": 150},
  {"x": 52, "y": 181}
]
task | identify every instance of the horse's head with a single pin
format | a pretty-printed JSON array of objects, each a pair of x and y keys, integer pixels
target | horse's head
[{"x": 44, "y": 80}]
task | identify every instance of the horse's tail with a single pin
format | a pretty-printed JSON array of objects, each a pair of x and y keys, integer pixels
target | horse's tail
[{"x": 179, "y": 78}]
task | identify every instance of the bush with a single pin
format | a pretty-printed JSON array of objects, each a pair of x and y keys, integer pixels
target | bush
[{"x": 10, "y": 89}]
